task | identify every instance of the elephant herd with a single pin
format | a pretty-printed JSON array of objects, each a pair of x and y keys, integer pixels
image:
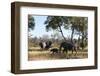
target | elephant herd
[{"x": 64, "y": 47}]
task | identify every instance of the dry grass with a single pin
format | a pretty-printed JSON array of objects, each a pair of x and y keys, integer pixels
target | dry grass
[{"x": 38, "y": 54}]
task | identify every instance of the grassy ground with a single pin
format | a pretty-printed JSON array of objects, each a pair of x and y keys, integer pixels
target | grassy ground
[{"x": 35, "y": 53}]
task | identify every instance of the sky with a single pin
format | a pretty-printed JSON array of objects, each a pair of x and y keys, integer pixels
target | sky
[{"x": 40, "y": 29}]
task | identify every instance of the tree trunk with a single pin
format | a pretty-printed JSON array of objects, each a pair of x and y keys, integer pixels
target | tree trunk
[
  {"x": 79, "y": 39},
  {"x": 62, "y": 33},
  {"x": 72, "y": 34},
  {"x": 83, "y": 40}
]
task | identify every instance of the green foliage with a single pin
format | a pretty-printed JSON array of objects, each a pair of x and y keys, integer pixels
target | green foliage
[
  {"x": 76, "y": 24},
  {"x": 54, "y": 22},
  {"x": 31, "y": 22}
]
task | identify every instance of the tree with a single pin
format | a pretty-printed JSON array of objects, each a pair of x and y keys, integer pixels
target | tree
[
  {"x": 79, "y": 25},
  {"x": 83, "y": 31},
  {"x": 31, "y": 22},
  {"x": 55, "y": 23},
  {"x": 76, "y": 24},
  {"x": 73, "y": 25},
  {"x": 83, "y": 27}
]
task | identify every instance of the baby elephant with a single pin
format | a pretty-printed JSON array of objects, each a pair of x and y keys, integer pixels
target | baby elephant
[{"x": 54, "y": 50}]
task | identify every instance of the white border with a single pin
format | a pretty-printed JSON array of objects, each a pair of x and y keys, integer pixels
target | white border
[{"x": 25, "y": 64}]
